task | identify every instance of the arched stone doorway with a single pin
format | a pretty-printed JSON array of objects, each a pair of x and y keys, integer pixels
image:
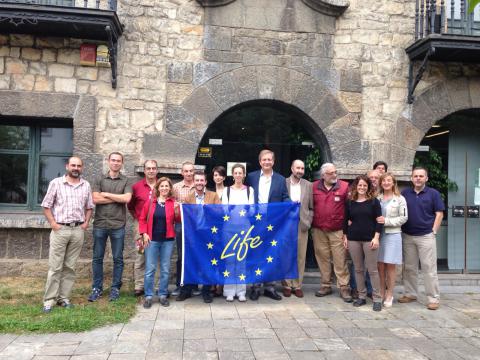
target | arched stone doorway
[
  {"x": 239, "y": 133},
  {"x": 445, "y": 118}
]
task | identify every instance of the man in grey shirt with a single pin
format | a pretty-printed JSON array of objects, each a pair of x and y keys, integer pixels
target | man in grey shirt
[{"x": 111, "y": 192}]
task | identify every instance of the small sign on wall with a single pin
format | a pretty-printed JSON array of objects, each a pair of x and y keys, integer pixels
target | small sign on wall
[
  {"x": 103, "y": 58},
  {"x": 88, "y": 54},
  {"x": 205, "y": 152}
]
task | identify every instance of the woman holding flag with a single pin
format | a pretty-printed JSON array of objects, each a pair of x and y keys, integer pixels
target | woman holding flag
[{"x": 237, "y": 194}]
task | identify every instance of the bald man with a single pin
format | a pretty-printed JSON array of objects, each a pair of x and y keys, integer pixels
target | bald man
[{"x": 300, "y": 190}]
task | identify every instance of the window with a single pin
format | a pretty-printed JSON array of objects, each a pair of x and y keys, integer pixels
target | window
[{"x": 32, "y": 153}]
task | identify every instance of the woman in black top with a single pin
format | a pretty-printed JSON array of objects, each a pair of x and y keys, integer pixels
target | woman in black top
[{"x": 361, "y": 236}]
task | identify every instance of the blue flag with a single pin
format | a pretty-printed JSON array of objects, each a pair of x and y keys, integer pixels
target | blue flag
[{"x": 239, "y": 244}]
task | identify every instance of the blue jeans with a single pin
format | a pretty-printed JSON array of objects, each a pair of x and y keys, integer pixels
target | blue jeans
[
  {"x": 100, "y": 237},
  {"x": 353, "y": 282},
  {"x": 157, "y": 251}
]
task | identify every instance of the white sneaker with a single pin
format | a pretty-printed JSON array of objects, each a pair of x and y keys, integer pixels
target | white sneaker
[
  {"x": 388, "y": 303},
  {"x": 230, "y": 298},
  {"x": 242, "y": 298}
]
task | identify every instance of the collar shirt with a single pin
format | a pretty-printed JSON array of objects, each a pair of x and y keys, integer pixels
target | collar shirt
[
  {"x": 181, "y": 191},
  {"x": 421, "y": 207},
  {"x": 68, "y": 202},
  {"x": 200, "y": 199},
  {"x": 141, "y": 192},
  {"x": 113, "y": 215},
  {"x": 264, "y": 185},
  {"x": 295, "y": 191}
]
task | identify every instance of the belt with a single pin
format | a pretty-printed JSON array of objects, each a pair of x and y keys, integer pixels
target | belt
[{"x": 72, "y": 224}]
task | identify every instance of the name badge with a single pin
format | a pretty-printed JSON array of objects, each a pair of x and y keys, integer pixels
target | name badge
[{"x": 337, "y": 198}]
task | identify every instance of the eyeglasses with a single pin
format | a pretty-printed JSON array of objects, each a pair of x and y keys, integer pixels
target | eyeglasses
[
  {"x": 331, "y": 173},
  {"x": 150, "y": 168}
]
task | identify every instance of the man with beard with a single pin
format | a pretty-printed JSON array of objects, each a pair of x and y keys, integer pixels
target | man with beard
[
  {"x": 300, "y": 190},
  {"x": 329, "y": 199},
  {"x": 141, "y": 192},
  {"x": 68, "y": 208}
]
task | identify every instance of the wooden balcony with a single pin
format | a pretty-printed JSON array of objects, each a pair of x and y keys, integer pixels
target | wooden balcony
[
  {"x": 445, "y": 32},
  {"x": 96, "y": 20}
]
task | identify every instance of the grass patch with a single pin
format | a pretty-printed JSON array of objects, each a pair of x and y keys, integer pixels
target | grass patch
[{"x": 21, "y": 301}]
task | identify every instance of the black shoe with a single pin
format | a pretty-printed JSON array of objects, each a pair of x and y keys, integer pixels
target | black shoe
[
  {"x": 272, "y": 295},
  {"x": 377, "y": 306},
  {"x": 183, "y": 296},
  {"x": 370, "y": 295},
  {"x": 138, "y": 292},
  {"x": 207, "y": 298},
  {"x": 254, "y": 295},
  {"x": 147, "y": 304},
  {"x": 359, "y": 302},
  {"x": 164, "y": 301}
]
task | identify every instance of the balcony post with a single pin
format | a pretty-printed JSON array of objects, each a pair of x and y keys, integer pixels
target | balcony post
[
  {"x": 442, "y": 17},
  {"x": 462, "y": 17},
  {"x": 433, "y": 11},
  {"x": 416, "y": 18},
  {"x": 422, "y": 17}
]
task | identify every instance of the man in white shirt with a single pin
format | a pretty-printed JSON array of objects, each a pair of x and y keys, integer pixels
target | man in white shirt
[{"x": 300, "y": 190}]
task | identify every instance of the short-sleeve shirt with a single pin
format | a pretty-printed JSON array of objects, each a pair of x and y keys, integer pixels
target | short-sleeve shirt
[
  {"x": 68, "y": 201},
  {"x": 141, "y": 192},
  {"x": 182, "y": 191},
  {"x": 421, "y": 210},
  {"x": 114, "y": 215}
]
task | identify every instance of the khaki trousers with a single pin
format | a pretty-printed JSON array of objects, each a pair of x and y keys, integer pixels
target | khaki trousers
[
  {"x": 301, "y": 256},
  {"x": 423, "y": 249},
  {"x": 328, "y": 247},
  {"x": 65, "y": 247},
  {"x": 364, "y": 257},
  {"x": 139, "y": 267}
]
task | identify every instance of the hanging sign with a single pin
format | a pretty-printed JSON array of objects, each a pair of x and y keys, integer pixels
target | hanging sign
[{"x": 205, "y": 152}]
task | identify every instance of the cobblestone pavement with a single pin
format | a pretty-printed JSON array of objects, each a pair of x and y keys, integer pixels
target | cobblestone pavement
[{"x": 308, "y": 328}]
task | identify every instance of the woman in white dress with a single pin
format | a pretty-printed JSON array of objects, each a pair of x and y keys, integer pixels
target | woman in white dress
[
  {"x": 394, "y": 215},
  {"x": 237, "y": 194}
]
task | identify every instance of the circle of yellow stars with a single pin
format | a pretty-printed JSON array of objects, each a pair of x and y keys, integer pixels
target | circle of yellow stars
[{"x": 214, "y": 230}]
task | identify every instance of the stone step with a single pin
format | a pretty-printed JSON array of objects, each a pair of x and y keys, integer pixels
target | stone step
[{"x": 445, "y": 279}]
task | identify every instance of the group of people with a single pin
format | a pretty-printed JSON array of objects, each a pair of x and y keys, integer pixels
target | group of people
[{"x": 378, "y": 226}]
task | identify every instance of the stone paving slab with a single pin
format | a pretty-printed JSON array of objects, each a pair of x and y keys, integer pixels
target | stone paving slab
[{"x": 307, "y": 328}]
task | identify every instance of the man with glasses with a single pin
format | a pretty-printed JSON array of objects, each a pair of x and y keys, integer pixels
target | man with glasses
[
  {"x": 329, "y": 199},
  {"x": 141, "y": 192}
]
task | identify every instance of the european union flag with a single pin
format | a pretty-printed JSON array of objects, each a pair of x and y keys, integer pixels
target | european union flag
[{"x": 239, "y": 244}]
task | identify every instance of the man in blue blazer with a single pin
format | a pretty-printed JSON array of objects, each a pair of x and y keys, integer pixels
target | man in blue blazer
[{"x": 268, "y": 186}]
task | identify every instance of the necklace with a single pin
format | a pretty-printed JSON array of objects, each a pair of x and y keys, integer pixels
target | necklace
[{"x": 162, "y": 204}]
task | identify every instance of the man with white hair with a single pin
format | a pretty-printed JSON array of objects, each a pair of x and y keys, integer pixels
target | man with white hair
[{"x": 329, "y": 199}]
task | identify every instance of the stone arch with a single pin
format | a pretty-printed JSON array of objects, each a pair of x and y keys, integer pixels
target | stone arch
[
  {"x": 433, "y": 104},
  {"x": 331, "y": 121}
]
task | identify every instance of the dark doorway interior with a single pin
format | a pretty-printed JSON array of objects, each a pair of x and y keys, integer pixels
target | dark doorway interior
[{"x": 240, "y": 133}]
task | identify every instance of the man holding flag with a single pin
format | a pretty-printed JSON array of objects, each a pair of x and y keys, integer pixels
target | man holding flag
[
  {"x": 268, "y": 187},
  {"x": 200, "y": 196}
]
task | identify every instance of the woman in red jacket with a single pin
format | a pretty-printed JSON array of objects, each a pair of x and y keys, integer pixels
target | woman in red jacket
[{"x": 157, "y": 225}]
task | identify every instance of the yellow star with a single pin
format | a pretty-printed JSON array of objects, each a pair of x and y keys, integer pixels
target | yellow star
[
  {"x": 242, "y": 277},
  {"x": 226, "y": 218},
  {"x": 269, "y": 259},
  {"x": 214, "y": 230},
  {"x": 210, "y": 246},
  {"x": 214, "y": 261},
  {"x": 226, "y": 273},
  {"x": 258, "y": 272},
  {"x": 270, "y": 227},
  {"x": 258, "y": 217},
  {"x": 273, "y": 242},
  {"x": 242, "y": 212}
]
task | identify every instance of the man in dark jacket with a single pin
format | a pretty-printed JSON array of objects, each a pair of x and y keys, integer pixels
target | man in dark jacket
[
  {"x": 329, "y": 199},
  {"x": 268, "y": 186}
]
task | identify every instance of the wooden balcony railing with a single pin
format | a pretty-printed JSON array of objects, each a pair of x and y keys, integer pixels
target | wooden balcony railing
[{"x": 445, "y": 17}]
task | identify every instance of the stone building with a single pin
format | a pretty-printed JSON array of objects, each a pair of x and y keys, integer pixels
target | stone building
[{"x": 326, "y": 80}]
